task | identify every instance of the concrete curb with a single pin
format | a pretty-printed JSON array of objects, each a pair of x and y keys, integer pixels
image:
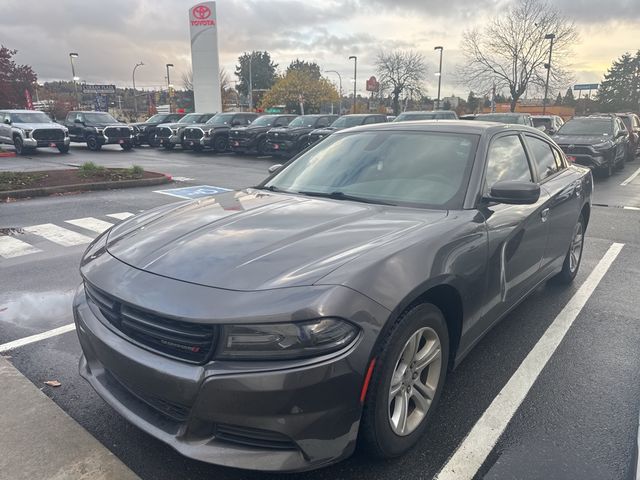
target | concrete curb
[
  {"x": 39, "y": 440},
  {"x": 7, "y": 154},
  {"x": 79, "y": 187}
]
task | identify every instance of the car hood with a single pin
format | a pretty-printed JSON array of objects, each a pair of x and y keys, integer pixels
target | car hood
[
  {"x": 105, "y": 124},
  {"x": 258, "y": 240},
  {"x": 325, "y": 131},
  {"x": 33, "y": 126},
  {"x": 580, "y": 139},
  {"x": 292, "y": 131},
  {"x": 250, "y": 129},
  {"x": 176, "y": 125}
]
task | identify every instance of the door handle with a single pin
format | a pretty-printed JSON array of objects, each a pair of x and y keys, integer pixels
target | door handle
[{"x": 544, "y": 214}]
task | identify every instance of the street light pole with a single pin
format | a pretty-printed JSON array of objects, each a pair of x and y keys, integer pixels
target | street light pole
[
  {"x": 169, "y": 85},
  {"x": 340, "y": 80},
  {"x": 135, "y": 102},
  {"x": 73, "y": 55},
  {"x": 548, "y": 36},
  {"x": 355, "y": 79},
  {"x": 439, "y": 75},
  {"x": 250, "y": 83}
]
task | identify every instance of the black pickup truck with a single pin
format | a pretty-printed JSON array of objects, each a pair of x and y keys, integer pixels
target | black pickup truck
[
  {"x": 97, "y": 129},
  {"x": 288, "y": 141},
  {"x": 253, "y": 137},
  {"x": 144, "y": 131},
  {"x": 214, "y": 134}
]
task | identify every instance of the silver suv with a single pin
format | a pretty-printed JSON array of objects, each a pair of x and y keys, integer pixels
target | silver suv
[{"x": 30, "y": 129}]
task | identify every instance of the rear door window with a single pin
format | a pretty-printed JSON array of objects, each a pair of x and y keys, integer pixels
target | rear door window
[
  {"x": 507, "y": 160},
  {"x": 544, "y": 157}
]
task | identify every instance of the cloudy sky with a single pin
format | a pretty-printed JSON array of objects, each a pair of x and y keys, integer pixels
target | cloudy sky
[{"x": 112, "y": 36}]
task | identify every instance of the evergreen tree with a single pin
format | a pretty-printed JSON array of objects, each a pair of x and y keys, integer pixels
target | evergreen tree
[
  {"x": 558, "y": 99},
  {"x": 263, "y": 71},
  {"x": 569, "y": 100},
  {"x": 620, "y": 89}
]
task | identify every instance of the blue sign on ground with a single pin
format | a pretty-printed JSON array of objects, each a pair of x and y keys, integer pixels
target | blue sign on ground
[
  {"x": 191, "y": 193},
  {"x": 586, "y": 86}
]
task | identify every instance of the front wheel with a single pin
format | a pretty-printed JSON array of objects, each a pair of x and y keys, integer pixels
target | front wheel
[
  {"x": 19, "y": 145},
  {"x": 93, "y": 144},
  {"x": 573, "y": 258},
  {"x": 126, "y": 146},
  {"x": 62, "y": 148},
  {"x": 220, "y": 144},
  {"x": 407, "y": 382},
  {"x": 262, "y": 147}
]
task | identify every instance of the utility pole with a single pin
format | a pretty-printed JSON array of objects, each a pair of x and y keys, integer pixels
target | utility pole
[
  {"x": 493, "y": 98},
  {"x": 340, "y": 88},
  {"x": 439, "y": 75},
  {"x": 169, "y": 85},
  {"x": 355, "y": 79},
  {"x": 135, "y": 102},
  {"x": 548, "y": 36},
  {"x": 73, "y": 55},
  {"x": 250, "y": 83}
]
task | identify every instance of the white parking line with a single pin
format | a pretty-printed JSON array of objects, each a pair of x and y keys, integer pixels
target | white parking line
[
  {"x": 36, "y": 338},
  {"x": 59, "y": 235},
  {"x": 478, "y": 444},
  {"x": 631, "y": 208},
  {"x": 120, "y": 216},
  {"x": 631, "y": 178},
  {"x": 90, "y": 223},
  {"x": 12, "y": 247}
]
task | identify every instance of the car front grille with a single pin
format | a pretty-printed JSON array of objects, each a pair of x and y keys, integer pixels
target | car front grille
[
  {"x": 163, "y": 132},
  {"x": 194, "y": 133},
  {"x": 254, "y": 437},
  {"x": 117, "y": 132},
  {"x": 276, "y": 137},
  {"x": 576, "y": 150},
  {"x": 48, "y": 134},
  {"x": 190, "y": 342}
]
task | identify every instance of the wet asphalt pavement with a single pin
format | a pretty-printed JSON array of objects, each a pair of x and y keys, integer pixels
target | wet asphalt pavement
[{"x": 578, "y": 421}]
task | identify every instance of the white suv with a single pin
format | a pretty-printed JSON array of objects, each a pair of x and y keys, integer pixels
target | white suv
[{"x": 30, "y": 129}]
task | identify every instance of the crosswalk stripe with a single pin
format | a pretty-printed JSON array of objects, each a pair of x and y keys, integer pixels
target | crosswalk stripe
[
  {"x": 59, "y": 235},
  {"x": 12, "y": 247},
  {"x": 90, "y": 223},
  {"x": 120, "y": 216}
]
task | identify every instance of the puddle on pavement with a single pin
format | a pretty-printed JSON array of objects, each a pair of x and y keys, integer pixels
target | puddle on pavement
[
  {"x": 11, "y": 231},
  {"x": 36, "y": 308}
]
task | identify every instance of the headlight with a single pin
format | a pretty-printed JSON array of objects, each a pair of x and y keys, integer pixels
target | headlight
[
  {"x": 175, "y": 131},
  {"x": 98, "y": 130},
  {"x": 601, "y": 145},
  {"x": 285, "y": 340},
  {"x": 131, "y": 129},
  {"x": 27, "y": 132},
  {"x": 207, "y": 133}
]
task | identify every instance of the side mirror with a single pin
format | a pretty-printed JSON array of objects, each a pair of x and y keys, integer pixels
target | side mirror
[
  {"x": 622, "y": 133},
  {"x": 275, "y": 168},
  {"x": 515, "y": 192},
  {"x": 7, "y": 121}
]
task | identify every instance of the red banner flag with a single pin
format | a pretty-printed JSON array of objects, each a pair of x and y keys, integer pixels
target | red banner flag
[{"x": 29, "y": 101}]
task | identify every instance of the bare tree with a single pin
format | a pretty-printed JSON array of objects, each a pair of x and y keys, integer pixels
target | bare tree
[
  {"x": 187, "y": 80},
  {"x": 511, "y": 51},
  {"x": 225, "y": 82},
  {"x": 400, "y": 71}
]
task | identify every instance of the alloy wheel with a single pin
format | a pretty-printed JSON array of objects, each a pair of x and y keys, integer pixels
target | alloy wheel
[
  {"x": 414, "y": 381},
  {"x": 575, "y": 251}
]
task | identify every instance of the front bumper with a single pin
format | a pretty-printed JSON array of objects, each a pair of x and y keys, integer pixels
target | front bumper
[
  {"x": 243, "y": 144},
  {"x": 304, "y": 415},
  {"x": 593, "y": 160},
  {"x": 282, "y": 147},
  {"x": 33, "y": 143},
  {"x": 104, "y": 140}
]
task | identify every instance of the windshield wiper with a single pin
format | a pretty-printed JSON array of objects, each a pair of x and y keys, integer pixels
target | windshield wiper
[
  {"x": 273, "y": 188},
  {"x": 344, "y": 196}
]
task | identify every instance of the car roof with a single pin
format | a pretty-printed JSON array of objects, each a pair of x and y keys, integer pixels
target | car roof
[
  {"x": 363, "y": 115},
  {"x": 427, "y": 111},
  {"x": 15, "y": 110},
  {"x": 511, "y": 114},
  {"x": 449, "y": 126}
]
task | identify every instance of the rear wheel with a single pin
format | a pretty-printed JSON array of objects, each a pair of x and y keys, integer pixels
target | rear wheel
[
  {"x": 197, "y": 148},
  {"x": 406, "y": 383},
  {"x": 92, "y": 143},
  {"x": 573, "y": 258}
]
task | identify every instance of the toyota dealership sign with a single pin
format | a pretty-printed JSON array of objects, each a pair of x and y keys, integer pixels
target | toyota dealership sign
[{"x": 203, "y": 27}]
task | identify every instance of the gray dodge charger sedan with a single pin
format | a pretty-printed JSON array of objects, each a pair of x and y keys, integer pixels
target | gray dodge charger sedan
[{"x": 277, "y": 327}]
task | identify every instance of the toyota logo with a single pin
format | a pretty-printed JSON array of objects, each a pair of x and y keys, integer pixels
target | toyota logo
[{"x": 201, "y": 12}]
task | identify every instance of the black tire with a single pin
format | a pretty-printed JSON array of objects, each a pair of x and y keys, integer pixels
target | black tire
[
  {"x": 376, "y": 434},
  {"x": 19, "y": 145},
  {"x": 570, "y": 268},
  {"x": 92, "y": 143},
  {"x": 220, "y": 144},
  {"x": 62, "y": 148},
  {"x": 261, "y": 148},
  {"x": 620, "y": 165},
  {"x": 126, "y": 146},
  {"x": 169, "y": 146},
  {"x": 196, "y": 148}
]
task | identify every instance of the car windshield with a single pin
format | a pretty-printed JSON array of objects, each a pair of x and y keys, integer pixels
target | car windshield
[
  {"x": 303, "y": 121},
  {"x": 30, "y": 117},
  {"x": 544, "y": 122},
  {"x": 158, "y": 118},
  {"x": 347, "y": 121},
  {"x": 99, "y": 117},
  {"x": 403, "y": 117},
  {"x": 264, "y": 121},
  {"x": 220, "y": 119},
  {"x": 194, "y": 118},
  {"x": 587, "y": 126},
  {"x": 419, "y": 169},
  {"x": 500, "y": 118}
]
